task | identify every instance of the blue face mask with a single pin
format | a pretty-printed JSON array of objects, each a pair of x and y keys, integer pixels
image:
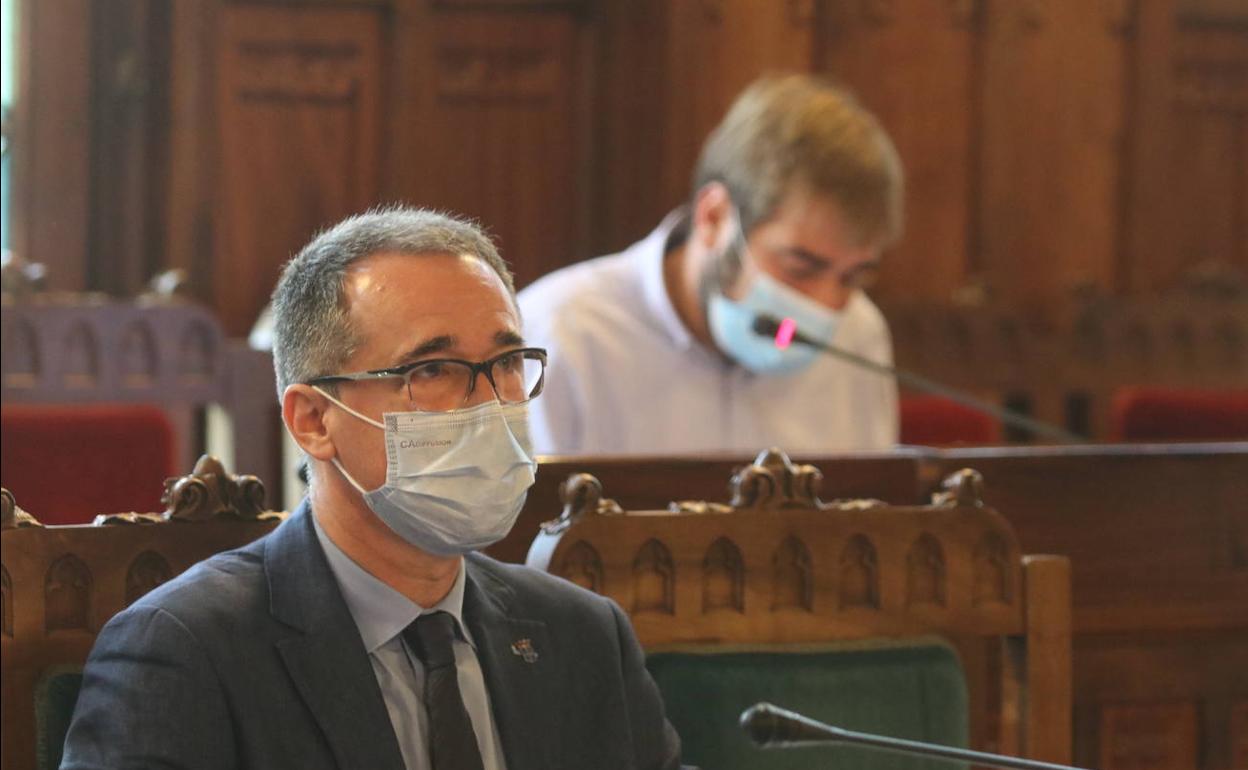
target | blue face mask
[
  {"x": 455, "y": 481},
  {"x": 732, "y": 325}
]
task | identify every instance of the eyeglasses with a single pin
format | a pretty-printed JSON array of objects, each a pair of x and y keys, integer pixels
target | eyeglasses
[{"x": 445, "y": 384}]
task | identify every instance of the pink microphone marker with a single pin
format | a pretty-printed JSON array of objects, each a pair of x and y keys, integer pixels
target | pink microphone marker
[{"x": 784, "y": 334}]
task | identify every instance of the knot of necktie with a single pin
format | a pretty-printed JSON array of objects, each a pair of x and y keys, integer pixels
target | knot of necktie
[{"x": 432, "y": 637}]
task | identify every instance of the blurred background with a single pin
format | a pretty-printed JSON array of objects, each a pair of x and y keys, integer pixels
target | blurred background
[{"x": 1077, "y": 169}]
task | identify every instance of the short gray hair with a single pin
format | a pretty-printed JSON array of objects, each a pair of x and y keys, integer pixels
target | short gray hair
[{"x": 312, "y": 331}]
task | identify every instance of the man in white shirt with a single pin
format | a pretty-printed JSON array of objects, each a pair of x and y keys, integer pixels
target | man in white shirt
[{"x": 653, "y": 350}]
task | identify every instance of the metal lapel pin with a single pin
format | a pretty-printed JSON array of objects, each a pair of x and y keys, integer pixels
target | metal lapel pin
[{"x": 524, "y": 648}]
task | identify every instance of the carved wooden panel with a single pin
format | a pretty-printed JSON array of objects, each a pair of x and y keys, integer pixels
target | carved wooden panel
[
  {"x": 583, "y": 566},
  {"x": 6, "y": 602},
  {"x": 22, "y": 358},
  {"x": 654, "y": 578},
  {"x": 1049, "y": 145},
  {"x": 82, "y": 357},
  {"x": 493, "y": 123},
  {"x": 793, "y": 580},
  {"x": 297, "y": 110},
  {"x": 926, "y": 572},
  {"x": 991, "y": 571},
  {"x": 138, "y": 358},
  {"x": 723, "y": 577},
  {"x": 148, "y": 570},
  {"x": 101, "y": 351},
  {"x": 714, "y": 50},
  {"x": 925, "y": 99},
  {"x": 1149, "y": 736},
  {"x": 859, "y": 574},
  {"x": 1189, "y": 98},
  {"x": 67, "y": 595},
  {"x": 1239, "y": 734}
]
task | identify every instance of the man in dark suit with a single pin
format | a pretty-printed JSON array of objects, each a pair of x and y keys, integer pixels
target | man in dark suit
[{"x": 364, "y": 632}]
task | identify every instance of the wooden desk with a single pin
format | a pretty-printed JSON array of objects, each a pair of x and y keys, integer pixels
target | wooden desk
[{"x": 1157, "y": 536}]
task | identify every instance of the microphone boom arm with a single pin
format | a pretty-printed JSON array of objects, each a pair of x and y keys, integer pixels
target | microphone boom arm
[
  {"x": 767, "y": 327},
  {"x": 773, "y": 727}
]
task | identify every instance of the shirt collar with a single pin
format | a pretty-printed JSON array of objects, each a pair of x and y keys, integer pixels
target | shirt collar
[
  {"x": 380, "y": 612},
  {"x": 650, "y": 254}
]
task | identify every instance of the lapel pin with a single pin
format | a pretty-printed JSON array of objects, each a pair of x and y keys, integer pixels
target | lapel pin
[{"x": 524, "y": 648}]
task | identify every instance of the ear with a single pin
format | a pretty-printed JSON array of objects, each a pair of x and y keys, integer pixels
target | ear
[
  {"x": 714, "y": 217},
  {"x": 303, "y": 411}
]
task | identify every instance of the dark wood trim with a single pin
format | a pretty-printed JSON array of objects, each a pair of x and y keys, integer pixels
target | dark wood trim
[{"x": 53, "y": 181}]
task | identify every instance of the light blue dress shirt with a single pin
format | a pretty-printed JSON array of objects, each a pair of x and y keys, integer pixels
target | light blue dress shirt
[{"x": 381, "y": 613}]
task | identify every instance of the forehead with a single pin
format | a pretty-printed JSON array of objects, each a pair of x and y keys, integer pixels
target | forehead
[
  {"x": 811, "y": 217},
  {"x": 392, "y": 297}
]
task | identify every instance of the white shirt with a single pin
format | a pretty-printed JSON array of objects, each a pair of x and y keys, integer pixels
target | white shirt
[
  {"x": 625, "y": 375},
  {"x": 381, "y": 613}
]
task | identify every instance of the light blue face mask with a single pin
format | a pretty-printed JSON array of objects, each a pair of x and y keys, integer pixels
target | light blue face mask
[
  {"x": 455, "y": 481},
  {"x": 732, "y": 325}
]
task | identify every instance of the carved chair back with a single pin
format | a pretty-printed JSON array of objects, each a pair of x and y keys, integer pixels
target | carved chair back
[
  {"x": 61, "y": 584},
  {"x": 70, "y": 350},
  {"x": 778, "y": 569}
]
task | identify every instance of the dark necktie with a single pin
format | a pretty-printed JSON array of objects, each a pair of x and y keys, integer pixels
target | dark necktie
[{"x": 452, "y": 742}]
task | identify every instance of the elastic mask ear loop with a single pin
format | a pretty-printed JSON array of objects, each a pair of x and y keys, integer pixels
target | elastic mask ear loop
[
  {"x": 348, "y": 477},
  {"x": 334, "y": 460},
  {"x": 348, "y": 409}
]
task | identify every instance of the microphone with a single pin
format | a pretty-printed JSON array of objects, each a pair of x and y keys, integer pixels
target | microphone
[
  {"x": 773, "y": 727},
  {"x": 786, "y": 333}
]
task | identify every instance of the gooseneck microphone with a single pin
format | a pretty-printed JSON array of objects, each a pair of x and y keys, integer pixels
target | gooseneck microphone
[
  {"x": 773, "y": 727},
  {"x": 785, "y": 332}
]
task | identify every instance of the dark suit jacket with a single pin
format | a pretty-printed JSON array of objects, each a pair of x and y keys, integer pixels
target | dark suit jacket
[{"x": 252, "y": 660}]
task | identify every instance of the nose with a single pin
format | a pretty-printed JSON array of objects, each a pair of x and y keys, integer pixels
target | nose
[{"x": 482, "y": 391}]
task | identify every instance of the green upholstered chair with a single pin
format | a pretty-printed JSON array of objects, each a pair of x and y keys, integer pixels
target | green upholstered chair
[
  {"x": 55, "y": 696},
  {"x": 914, "y": 690},
  {"x": 923, "y": 622}
]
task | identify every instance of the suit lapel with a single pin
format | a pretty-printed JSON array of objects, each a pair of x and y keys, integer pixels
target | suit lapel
[
  {"x": 324, "y": 654},
  {"x": 520, "y": 670}
]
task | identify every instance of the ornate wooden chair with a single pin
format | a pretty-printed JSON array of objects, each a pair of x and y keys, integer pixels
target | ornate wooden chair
[
  {"x": 62, "y": 583},
  {"x": 69, "y": 361},
  {"x": 834, "y": 610}
]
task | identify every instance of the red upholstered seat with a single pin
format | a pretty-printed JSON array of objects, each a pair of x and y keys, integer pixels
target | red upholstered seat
[
  {"x": 936, "y": 421},
  {"x": 1178, "y": 414},
  {"x": 66, "y": 463}
]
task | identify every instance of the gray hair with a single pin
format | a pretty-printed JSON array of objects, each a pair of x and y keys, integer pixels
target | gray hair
[
  {"x": 312, "y": 330},
  {"x": 802, "y": 129}
]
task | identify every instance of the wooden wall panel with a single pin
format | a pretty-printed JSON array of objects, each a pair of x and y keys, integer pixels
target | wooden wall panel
[
  {"x": 1187, "y": 200},
  {"x": 1160, "y": 700},
  {"x": 1052, "y": 126},
  {"x": 129, "y": 131},
  {"x": 51, "y": 146},
  {"x": 298, "y": 104},
  {"x": 1239, "y": 734},
  {"x": 1149, "y": 736},
  {"x": 925, "y": 98},
  {"x": 496, "y": 131},
  {"x": 629, "y": 123},
  {"x": 189, "y": 182},
  {"x": 715, "y": 48}
]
